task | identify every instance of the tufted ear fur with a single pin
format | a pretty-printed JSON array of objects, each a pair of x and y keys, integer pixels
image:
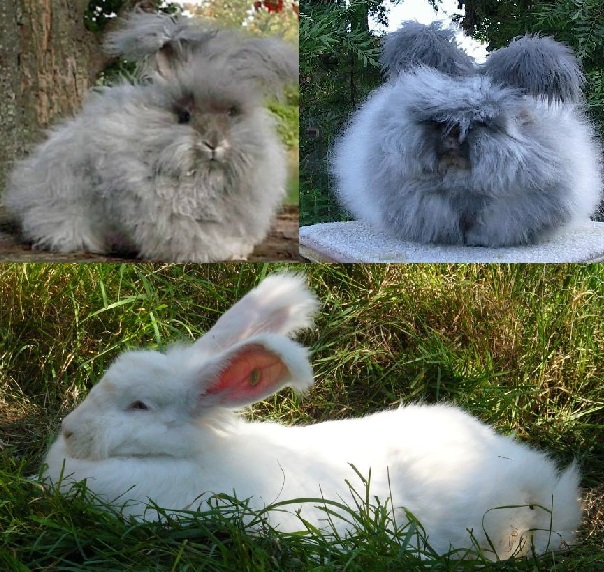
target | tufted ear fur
[
  {"x": 163, "y": 43},
  {"x": 540, "y": 66},
  {"x": 270, "y": 63},
  {"x": 280, "y": 304},
  {"x": 143, "y": 34},
  {"x": 415, "y": 44}
]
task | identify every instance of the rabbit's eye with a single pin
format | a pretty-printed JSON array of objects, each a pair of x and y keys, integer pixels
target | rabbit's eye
[
  {"x": 234, "y": 111},
  {"x": 183, "y": 116},
  {"x": 138, "y": 406}
]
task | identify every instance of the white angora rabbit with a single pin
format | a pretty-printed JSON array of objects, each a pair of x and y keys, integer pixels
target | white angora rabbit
[
  {"x": 161, "y": 426},
  {"x": 450, "y": 152},
  {"x": 183, "y": 166}
]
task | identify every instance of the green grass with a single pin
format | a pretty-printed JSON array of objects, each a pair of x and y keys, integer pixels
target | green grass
[
  {"x": 293, "y": 182},
  {"x": 521, "y": 347}
]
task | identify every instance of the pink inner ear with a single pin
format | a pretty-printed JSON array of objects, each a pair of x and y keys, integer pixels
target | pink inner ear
[{"x": 253, "y": 373}]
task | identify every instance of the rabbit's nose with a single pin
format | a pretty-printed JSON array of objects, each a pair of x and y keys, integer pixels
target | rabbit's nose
[
  {"x": 216, "y": 148},
  {"x": 213, "y": 148}
]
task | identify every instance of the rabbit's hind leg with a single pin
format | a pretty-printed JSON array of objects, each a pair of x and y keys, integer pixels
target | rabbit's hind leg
[{"x": 64, "y": 228}]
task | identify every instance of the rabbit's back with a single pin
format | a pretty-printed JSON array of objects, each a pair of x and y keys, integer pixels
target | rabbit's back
[{"x": 453, "y": 472}]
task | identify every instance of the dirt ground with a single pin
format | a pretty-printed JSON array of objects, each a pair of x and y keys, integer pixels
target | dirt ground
[{"x": 280, "y": 245}]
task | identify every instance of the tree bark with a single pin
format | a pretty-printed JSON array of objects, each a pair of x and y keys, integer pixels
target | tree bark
[{"x": 48, "y": 61}]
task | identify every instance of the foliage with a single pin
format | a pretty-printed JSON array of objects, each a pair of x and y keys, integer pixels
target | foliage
[
  {"x": 288, "y": 119},
  {"x": 519, "y": 346},
  {"x": 326, "y": 30},
  {"x": 579, "y": 23},
  {"x": 261, "y": 22},
  {"x": 338, "y": 68},
  {"x": 100, "y": 12},
  {"x": 495, "y": 23},
  {"x": 234, "y": 13}
]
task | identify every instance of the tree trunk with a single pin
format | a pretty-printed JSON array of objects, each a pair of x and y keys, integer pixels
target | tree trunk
[{"x": 48, "y": 61}]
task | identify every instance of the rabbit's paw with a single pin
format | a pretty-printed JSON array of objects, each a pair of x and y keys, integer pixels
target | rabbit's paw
[
  {"x": 66, "y": 238},
  {"x": 479, "y": 235}
]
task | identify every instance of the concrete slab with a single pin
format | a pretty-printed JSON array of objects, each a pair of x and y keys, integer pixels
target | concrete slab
[{"x": 357, "y": 242}]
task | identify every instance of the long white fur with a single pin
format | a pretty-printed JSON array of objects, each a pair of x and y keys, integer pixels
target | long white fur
[{"x": 454, "y": 473}]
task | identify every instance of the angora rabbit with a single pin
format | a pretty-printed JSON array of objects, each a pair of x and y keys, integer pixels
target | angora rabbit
[
  {"x": 161, "y": 426},
  {"x": 447, "y": 152},
  {"x": 186, "y": 166}
]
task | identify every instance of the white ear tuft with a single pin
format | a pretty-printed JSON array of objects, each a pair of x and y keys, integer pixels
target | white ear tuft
[{"x": 280, "y": 304}]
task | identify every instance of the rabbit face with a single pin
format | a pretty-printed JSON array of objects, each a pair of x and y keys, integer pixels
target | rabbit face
[
  {"x": 152, "y": 404},
  {"x": 450, "y": 146},
  {"x": 468, "y": 136},
  {"x": 210, "y": 129},
  {"x": 454, "y": 134},
  {"x": 138, "y": 408},
  {"x": 213, "y": 121}
]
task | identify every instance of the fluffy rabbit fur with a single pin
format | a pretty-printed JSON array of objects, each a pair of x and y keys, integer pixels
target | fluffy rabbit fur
[
  {"x": 156, "y": 40},
  {"x": 185, "y": 166},
  {"x": 162, "y": 427},
  {"x": 499, "y": 155}
]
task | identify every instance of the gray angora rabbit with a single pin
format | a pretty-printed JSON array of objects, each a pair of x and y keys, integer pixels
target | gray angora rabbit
[
  {"x": 450, "y": 152},
  {"x": 183, "y": 166}
]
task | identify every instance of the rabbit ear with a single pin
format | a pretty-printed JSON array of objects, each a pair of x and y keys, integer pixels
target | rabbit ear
[
  {"x": 143, "y": 34},
  {"x": 540, "y": 66},
  {"x": 416, "y": 44},
  {"x": 268, "y": 62},
  {"x": 255, "y": 369},
  {"x": 281, "y": 304},
  {"x": 160, "y": 41},
  {"x": 173, "y": 40}
]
